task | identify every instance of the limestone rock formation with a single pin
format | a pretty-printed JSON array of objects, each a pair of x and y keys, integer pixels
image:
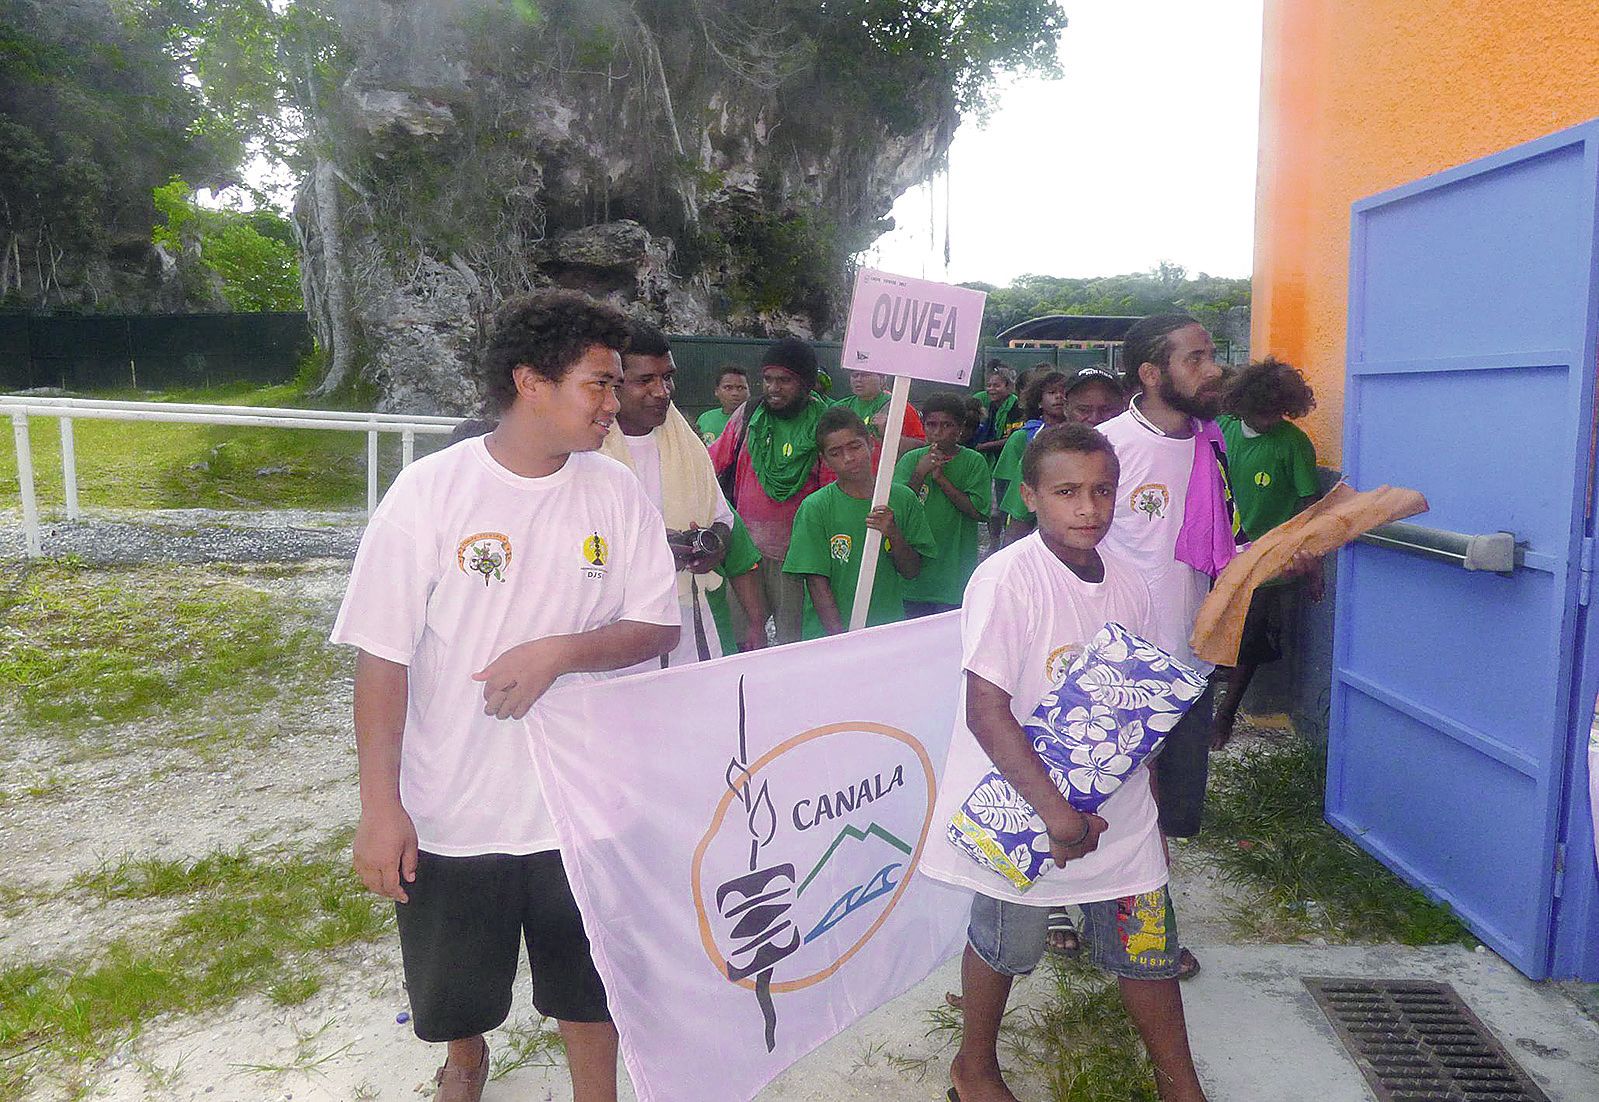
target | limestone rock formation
[{"x": 711, "y": 165}]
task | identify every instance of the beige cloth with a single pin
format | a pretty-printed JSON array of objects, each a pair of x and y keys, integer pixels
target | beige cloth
[
  {"x": 688, "y": 485},
  {"x": 1326, "y": 526}
]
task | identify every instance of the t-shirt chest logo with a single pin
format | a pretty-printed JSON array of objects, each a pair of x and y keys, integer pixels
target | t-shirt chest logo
[
  {"x": 1151, "y": 499},
  {"x": 486, "y": 554},
  {"x": 596, "y": 556},
  {"x": 840, "y": 546},
  {"x": 1262, "y": 479},
  {"x": 1059, "y": 660}
]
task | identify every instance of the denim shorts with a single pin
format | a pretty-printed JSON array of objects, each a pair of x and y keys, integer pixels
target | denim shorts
[{"x": 1134, "y": 937}]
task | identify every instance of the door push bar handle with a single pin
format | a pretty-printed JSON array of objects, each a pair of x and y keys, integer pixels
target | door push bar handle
[{"x": 1495, "y": 552}]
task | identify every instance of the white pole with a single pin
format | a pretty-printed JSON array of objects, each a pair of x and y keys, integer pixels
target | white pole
[
  {"x": 30, "y": 504},
  {"x": 885, "y": 480},
  {"x": 69, "y": 467},
  {"x": 407, "y": 448},
  {"x": 371, "y": 472}
]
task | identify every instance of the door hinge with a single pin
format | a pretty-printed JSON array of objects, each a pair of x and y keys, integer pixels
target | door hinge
[
  {"x": 1560, "y": 869},
  {"x": 1585, "y": 585}
]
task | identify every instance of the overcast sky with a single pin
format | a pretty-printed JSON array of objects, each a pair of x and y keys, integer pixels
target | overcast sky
[{"x": 1144, "y": 151}]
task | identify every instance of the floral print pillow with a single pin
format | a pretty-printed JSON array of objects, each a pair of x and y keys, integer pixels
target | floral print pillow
[{"x": 1113, "y": 709}]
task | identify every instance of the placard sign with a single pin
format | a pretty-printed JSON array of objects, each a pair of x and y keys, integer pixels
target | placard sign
[{"x": 913, "y": 327}]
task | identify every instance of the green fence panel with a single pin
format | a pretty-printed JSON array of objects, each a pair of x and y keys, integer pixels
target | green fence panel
[{"x": 150, "y": 352}]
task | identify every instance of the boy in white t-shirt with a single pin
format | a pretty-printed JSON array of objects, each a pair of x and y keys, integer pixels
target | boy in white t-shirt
[
  {"x": 492, "y": 570},
  {"x": 1028, "y": 610}
]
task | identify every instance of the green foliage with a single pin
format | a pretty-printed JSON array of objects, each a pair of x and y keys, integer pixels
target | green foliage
[
  {"x": 902, "y": 58},
  {"x": 1085, "y": 1042},
  {"x": 67, "y": 656},
  {"x": 259, "y": 270},
  {"x": 248, "y": 923},
  {"x": 93, "y": 114},
  {"x": 1163, "y": 289},
  {"x": 1264, "y": 831}
]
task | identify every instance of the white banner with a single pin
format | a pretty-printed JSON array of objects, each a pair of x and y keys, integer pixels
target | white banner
[
  {"x": 912, "y": 327},
  {"x": 741, "y": 837}
]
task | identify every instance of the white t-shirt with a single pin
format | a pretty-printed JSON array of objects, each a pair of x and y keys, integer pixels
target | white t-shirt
[
  {"x": 462, "y": 561},
  {"x": 645, "y": 452},
  {"x": 1026, "y": 615},
  {"x": 1150, "y": 497}
]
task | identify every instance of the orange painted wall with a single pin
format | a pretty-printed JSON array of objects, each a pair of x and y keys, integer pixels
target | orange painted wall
[{"x": 1360, "y": 97}]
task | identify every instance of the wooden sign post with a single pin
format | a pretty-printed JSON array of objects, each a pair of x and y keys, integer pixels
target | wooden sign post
[{"x": 909, "y": 329}]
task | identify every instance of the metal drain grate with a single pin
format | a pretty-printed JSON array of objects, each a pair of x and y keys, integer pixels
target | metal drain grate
[{"x": 1417, "y": 1042}]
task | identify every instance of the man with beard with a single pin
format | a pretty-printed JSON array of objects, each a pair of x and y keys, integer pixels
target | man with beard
[
  {"x": 768, "y": 460},
  {"x": 1170, "y": 360}
]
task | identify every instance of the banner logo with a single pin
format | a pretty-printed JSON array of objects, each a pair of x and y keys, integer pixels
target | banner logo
[{"x": 796, "y": 873}]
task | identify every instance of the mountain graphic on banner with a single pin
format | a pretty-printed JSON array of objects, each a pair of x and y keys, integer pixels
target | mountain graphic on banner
[{"x": 851, "y": 832}]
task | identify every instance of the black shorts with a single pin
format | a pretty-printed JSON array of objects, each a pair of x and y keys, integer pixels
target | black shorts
[
  {"x": 461, "y": 934},
  {"x": 1262, "y": 638},
  {"x": 1182, "y": 768}
]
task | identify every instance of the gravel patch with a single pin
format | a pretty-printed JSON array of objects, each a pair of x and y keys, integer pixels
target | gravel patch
[{"x": 119, "y": 537}]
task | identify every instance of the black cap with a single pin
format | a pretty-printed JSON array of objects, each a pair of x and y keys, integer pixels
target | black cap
[
  {"x": 792, "y": 354},
  {"x": 1090, "y": 374}
]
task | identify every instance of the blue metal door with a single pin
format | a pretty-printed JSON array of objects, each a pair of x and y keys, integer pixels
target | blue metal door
[{"x": 1471, "y": 356}]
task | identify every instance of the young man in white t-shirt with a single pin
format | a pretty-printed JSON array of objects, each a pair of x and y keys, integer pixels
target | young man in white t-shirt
[
  {"x": 665, "y": 452},
  {"x": 490, "y": 571},
  {"x": 1027, "y": 611}
]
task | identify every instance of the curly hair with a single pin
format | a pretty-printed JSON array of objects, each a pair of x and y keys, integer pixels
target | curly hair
[
  {"x": 1269, "y": 388},
  {"x": 945, "y": 401},
  {"x": 1041, "y": 381},
  {"x": 548, "y": 331}
]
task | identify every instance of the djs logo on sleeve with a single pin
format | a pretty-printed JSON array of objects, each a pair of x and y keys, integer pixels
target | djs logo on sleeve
[
  {"x": 486, "y": 554},
  {"x": 596, "y": 556}
]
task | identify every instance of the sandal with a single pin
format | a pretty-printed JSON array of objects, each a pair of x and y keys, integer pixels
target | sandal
[
  {"x": 1188, "y": 965},
  {"x": 1062, "y": 939},
  {"x": 458, "y": 1084}
]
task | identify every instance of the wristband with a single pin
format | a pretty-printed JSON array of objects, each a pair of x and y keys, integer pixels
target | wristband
[{"x": 1081, "y": 838}]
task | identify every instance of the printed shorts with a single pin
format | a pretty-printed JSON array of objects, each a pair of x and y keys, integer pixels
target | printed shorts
[{"x": 1134, "y": 937}]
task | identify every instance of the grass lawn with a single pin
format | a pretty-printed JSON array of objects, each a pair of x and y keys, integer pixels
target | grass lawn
[{"x": 153, "y": 465}]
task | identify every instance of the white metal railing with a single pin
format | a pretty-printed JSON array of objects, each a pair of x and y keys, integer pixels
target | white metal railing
[{"x": 67, "y": 410}]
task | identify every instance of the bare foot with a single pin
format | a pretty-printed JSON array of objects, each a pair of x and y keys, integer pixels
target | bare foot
[{"x": 979, "y": 1081}]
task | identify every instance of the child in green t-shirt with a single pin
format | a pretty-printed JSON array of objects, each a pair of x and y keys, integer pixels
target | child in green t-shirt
[
  {"x": 953, "y": 484},
  {"x": 732, "y": 391},
  {"x": 1045, "y": 403},
  {"x": 1271, "y": 464},
  {"x": 830, "y": 530}
]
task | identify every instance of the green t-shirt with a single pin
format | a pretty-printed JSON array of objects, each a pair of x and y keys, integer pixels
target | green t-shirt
[
  {"x": 1012, "y": 504},
  {"x": 1008, "y": 467},
  {"x": 829, "y": 531},
  {"x": 864, "y": 410},
  {"x": 1270, "y": 472},
  {"x": 944, "y": 579},
  {"x": 711, "y": 424},
  {"x": 1006, "y": 421}
]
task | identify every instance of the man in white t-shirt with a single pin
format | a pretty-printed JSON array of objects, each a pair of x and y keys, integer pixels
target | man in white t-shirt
[
  {"x": 665, "y": 452},
  {"x": 1028, "y": 610},
  {"x": 492, "y": 570},
  {"x": 1171, "y": 361}
]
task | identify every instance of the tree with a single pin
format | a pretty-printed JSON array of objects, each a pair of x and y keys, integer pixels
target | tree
[
  {"x": 1164, "y": 289},
  {"x": 252, "y": 251}
]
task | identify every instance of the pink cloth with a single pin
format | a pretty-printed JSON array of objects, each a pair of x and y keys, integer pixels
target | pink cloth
[
  {"x": 1207, "y": 541},
  {"x": 770, "y": 522}
]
